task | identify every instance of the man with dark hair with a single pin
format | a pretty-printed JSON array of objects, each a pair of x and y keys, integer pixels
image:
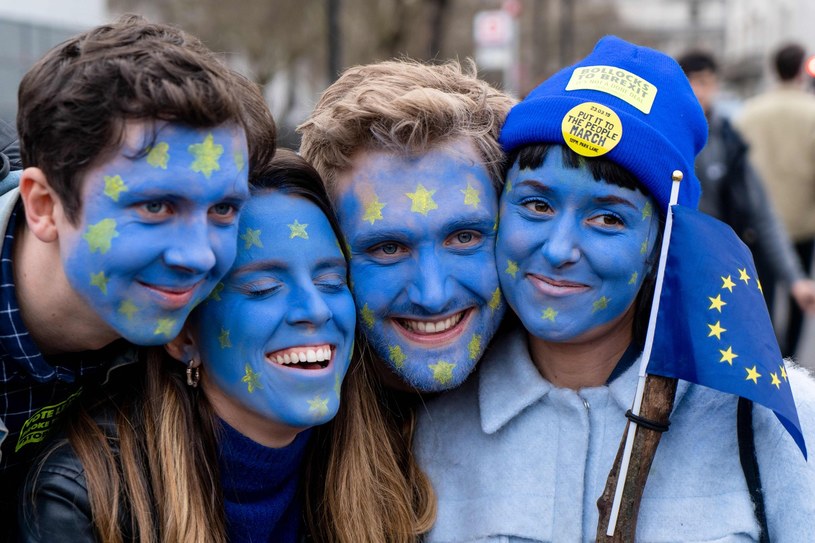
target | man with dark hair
[
  {"x": 779, "y": 127},
  {"x": 732, "y": 191},
  {"x": 133, "y": 138}
]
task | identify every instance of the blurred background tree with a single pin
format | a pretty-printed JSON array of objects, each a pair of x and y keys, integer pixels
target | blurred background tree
[{"x": 295, "y": 48}]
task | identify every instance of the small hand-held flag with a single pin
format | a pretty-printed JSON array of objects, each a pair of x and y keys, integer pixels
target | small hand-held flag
[
  {"x": 709, "y": 325},
  {"x": 713, "y": 327}
]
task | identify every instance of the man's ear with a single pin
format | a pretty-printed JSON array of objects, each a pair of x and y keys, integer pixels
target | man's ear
[
  {"x": 41, "y": 204},
  {"x": 183, "y": 348}
]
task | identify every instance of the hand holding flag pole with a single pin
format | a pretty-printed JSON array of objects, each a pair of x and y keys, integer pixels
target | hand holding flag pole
[{"x": 709, "y": 325}]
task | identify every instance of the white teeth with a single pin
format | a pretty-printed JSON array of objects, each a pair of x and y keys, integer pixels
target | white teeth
[
  {"x": 433, "y": 327},
  {"x": 297, "y": 356}
]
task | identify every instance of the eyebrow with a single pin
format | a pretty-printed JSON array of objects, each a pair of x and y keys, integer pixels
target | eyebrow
[
  {"x": 371, "y": 238},
  {"x": 272, "y": 264},
  {"x": 534, "y": 183},
  {"x": 610, "y": 199}
]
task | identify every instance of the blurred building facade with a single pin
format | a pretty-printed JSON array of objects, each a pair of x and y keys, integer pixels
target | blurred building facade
[{"x": 742, "y": 33}]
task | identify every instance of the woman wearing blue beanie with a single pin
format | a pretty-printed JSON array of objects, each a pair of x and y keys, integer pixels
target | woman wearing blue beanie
[{"x": 522, "y": 451}]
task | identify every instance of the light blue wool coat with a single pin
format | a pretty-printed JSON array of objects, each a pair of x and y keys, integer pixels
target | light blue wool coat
[{"x": 514, "y": 459}]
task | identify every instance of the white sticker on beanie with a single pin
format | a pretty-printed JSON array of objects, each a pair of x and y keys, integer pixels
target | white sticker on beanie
[
  {"x": 591, "y": 129},
  {"x": 617, "y": 82}
]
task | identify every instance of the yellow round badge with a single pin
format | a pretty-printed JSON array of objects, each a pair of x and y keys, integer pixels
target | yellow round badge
[{"x": 591, "y": 129}]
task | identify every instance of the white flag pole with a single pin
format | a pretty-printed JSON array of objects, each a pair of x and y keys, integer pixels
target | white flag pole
[{"x": 646, "y": 355}]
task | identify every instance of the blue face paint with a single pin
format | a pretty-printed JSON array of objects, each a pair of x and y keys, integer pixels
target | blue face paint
[
  {"x": 157, "y": 230},
  {"x": 277, "y": 337},
  {"x": 421, "y": 232},
  {"x": 572, "y": 252}
]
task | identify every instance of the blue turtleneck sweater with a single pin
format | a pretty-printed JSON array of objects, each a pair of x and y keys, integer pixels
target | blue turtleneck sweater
[{"x": 260, "y": 488}]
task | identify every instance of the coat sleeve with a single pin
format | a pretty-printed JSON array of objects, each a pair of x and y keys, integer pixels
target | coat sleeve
[{"x": 54, "y": 505}]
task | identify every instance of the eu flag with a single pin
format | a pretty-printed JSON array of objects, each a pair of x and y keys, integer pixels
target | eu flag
[{"x": 713, "y": 327}]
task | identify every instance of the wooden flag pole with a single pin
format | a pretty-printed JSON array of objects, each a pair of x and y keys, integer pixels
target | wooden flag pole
[
  {"x": 620, "y": 502},
  {"x": 657, "y": 403}
]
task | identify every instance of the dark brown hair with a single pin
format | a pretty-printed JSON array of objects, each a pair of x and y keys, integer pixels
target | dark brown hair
[
  {"x": 74, "y": 101},
  {"x": 789, "y": 59}
]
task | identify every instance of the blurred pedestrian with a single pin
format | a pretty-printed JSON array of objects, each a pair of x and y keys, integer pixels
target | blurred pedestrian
[
  {"x": 733, "y": 192},
  {"x": 779, "y": 127}
]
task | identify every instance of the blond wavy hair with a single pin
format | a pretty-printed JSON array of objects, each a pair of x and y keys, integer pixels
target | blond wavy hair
[{"x": 407, "y": 108}]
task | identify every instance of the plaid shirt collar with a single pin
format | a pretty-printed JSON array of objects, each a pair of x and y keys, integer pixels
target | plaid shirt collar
[{"x": 20, "y": 355}]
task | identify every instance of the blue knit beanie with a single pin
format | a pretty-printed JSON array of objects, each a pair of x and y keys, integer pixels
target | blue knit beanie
[{"x": 628, "y": 103}]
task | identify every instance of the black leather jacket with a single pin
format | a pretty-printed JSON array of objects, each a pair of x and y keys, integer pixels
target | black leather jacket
[
  {"x": 54, "y": 504},
  {"x": 61, "y": 510}
]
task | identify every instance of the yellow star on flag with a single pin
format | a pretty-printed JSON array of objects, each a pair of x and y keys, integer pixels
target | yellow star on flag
[
  {"x": 752, "y": 375},
  {"x": 602, "y": 303},
  {"x": 396, "y": 355},
  {"x": 775, "y": 380},
  {"x": 728, "y": 355},
  {"x": 549, "y": 314},
  {"x": 114, "y": 186},
  {"x": 716, "y": 303},
  {"x": 743, "y": 276},
  {"x": 470, "y": 196},
  {"x": 251, "y": 379},
  {"x": 158, "y": 155},
  {"x": 164, "y": 327},
  {"x": 783, "y": 372},
  {"x": 512, "y": 268},
  {"x": 474, "y": 346},
  {"x": 297, "y": 230},
  {"x": 99, "y": 235},
  {"x": 318, "y": 406},
  {"x": 646, "y": 210},
  {"x": 367, "y": 316},
  {"x": 251, "y": 237},
  {"x": 422, "y": 200},
  {"x": 207, "y": 155},
  {"x": 716, "y": 330},
  {"x": 373, "y": 210},
  {"x": 728, "y": 283},
  {"x": 644, "y": 247},
  {"x": 633, "y": 280},
  {"x": 99, "y": 280},
  {"x": 442, "y": 371},
  {"x": 761, "y": 290},
  {"x": 223, "y": 338},
  {"x": 495, "y": 300},
  {"x": 128, "y": 309}
]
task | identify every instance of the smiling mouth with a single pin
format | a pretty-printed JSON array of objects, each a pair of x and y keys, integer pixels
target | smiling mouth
[
  {"x": 433, "y": 330},
  {"x": 554, "y": 287},
  {"x": 173, "y": 297},
  {"x": 305, "y": 357}
]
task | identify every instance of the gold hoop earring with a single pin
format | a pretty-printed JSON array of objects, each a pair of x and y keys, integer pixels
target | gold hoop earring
[{"x": 193, "y": 375}]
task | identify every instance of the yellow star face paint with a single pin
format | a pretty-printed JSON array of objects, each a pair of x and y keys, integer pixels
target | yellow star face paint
[
  {"x": 154, "y": 236},
  {"x": 279, "y": 340},
  {"x": 421, "y": 232},
  {"x": 573, "y": 250}
]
